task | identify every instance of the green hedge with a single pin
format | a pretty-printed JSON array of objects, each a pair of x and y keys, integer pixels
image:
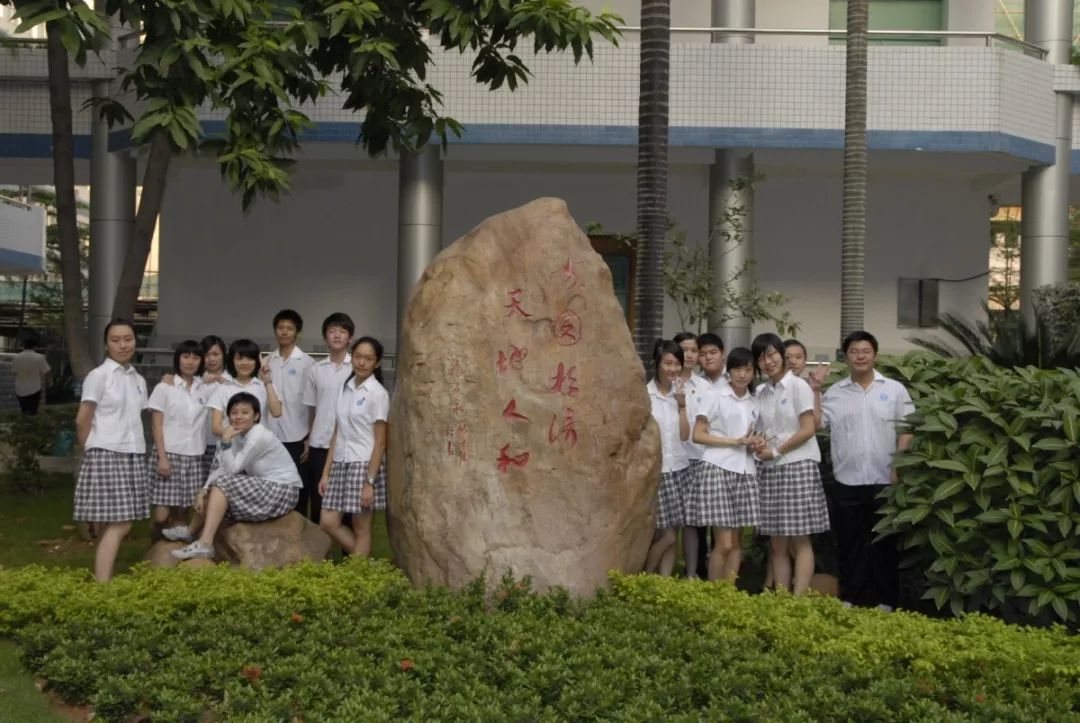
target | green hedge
[
  {"x": 355, "y": 642},
  {"x": 989, "y": 505}
]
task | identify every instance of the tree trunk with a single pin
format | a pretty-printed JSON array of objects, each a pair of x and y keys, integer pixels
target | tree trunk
[
  {"x": 153, "y": 194},
  {"x": 67, "y": 225},
  {"x": 853, "y": 243},
  {"x": 652, "y": 176}
]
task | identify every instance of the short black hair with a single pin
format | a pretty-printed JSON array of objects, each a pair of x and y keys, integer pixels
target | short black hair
[
  {"x": 244, "y": 398},
  {"x": 666, "y": 347},
  {"x": 684, "y": 336},
  {"x": 209, "y": 341},
  {"x": 859, "y": 336},
  {"x": 188, "y": 346},
  {"x": 740, "y": 356},
  {"x": 763, "y": 342},
  {"x": 247, "y": 349},
  {"x": 710, "y": 339},
  {"x": 117, "y": 322},
  {"x": 289, "y": 315},
  {"x": 377, "y": 346},
  {"x": 794, "y": 342},
  {"x": 338, "y": 318}
]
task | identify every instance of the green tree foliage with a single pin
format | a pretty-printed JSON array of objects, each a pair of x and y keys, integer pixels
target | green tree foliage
[{"x": 988, "y": 508}]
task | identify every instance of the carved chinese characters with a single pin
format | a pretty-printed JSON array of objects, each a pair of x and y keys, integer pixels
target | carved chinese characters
[{"x": 520, "y": 435}]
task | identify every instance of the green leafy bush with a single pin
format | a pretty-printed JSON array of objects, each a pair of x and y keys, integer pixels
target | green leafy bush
[
  {"x": 357, "y": 642},
  {"x": 28, "y": 437},
  {"x": 989, "y": 505}
]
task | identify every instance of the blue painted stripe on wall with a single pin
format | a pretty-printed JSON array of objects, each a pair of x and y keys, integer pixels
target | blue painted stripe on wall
[
  {"x": 18, "y": 145},
  {"x": 27, "y": 262},
  {"x": 37, "y": 145}
]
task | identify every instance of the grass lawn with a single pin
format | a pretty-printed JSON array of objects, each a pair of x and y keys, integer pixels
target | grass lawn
[
  {"x": 36, "y": 528},
  {"x": 19, "y": 697}
]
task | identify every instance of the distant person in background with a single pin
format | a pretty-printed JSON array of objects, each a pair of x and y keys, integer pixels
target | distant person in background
[
  {"x": 32, "y": 375},
  {"x": 694, "y": 387}
]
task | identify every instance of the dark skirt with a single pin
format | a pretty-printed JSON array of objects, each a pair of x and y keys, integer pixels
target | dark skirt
[{"x": 112, "y": 487}]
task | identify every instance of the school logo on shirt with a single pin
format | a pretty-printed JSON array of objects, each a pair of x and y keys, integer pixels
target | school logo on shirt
[
  {"x": 884, "y": 397},
  {"x": 360, "y": 401},
  {"x": 783, "y": 401},
  {"x": 292, "y": 372}
]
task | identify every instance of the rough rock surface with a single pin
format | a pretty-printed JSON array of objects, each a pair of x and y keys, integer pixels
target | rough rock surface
[
  {"x": 520, "y": 433},
  {"x": 158, "y": 554},
  {"x": 274, "y": 543}
]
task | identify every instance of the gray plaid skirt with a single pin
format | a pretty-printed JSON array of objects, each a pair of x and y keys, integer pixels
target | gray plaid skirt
[
  {"x": 183, "y": 483},
  {"x": 792, "y": 499},
  {"x": 723, "y": 498},
  {"x": 345, "y": 484},
  {"x": 112, "y": 487},
  {"x": 670, "y": 497},
  {"x": 208, "y": 460},
  {"x": 253, "y": 499}
]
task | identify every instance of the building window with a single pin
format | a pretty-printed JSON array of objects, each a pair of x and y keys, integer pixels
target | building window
[
  {"x": 619, "y": 256},
  {"x": 894, "y": 15}
]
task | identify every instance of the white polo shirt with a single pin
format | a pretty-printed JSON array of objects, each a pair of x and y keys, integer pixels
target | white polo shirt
[
  {"x": 258, "y": 453},
  {"x": 733, "y": 417},
  {"x": 120, "y": 396},
  {"x": 228, "y": 389},
  {"x": 287, "y": 376},
  {"x": 209, "y": 437},
  {"x": 780, "y": 406},
  {"x": 863, "y": 428},
  {"x": 29, "y": 367},
  {"x": 697, "y": 389},
  {"x": 665, "y": 410},
  {"x": 322, "y": 387},
  {"x": 358, "y": 408},
  {"x": 184, "y": 413}
]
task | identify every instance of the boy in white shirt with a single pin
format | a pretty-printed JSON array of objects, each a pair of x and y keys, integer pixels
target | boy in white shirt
[{"x": 287, "y": 369}]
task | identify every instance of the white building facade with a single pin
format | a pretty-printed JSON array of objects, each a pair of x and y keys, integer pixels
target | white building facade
[{"x": 957, "y": 116}]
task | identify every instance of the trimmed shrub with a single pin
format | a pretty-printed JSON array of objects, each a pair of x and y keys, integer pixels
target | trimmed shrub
[
  {"x": 356, "y": 642},
  {"x": 989, "y": 505}
]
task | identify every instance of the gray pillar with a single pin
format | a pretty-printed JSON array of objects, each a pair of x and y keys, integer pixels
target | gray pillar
[
  {"x": 112, "y": 219},
  {"x": 420, "y": 192},
  {"x": 1044, "y": 190},
  {"x": 731, "y": 237},
  {"x": 731, "y": 196}
]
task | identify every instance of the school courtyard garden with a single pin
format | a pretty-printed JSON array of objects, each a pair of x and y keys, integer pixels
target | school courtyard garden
[{"x": 987, "y": 513}]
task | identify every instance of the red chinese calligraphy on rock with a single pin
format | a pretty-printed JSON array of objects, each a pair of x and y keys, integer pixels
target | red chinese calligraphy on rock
[
  {"x": 513, "y": 360},
  {"x": 506, "y": 461},
  {"x": 565, "y": 381},
  {"x": 567, "y": 328},
  {"x": 567, "y": 273},
  {"x": 566, "y": 431},
  {"x": 514, "y": 306},
  {"x": 511, "y": 414}
]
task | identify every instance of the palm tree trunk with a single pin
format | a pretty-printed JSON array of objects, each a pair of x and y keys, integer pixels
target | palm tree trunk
[
  {"x": 652, "y": 175},
  {"x": 153, "y": 194},
  {"x": 64, "y": 181},
  {"x": 853, "y": 243}
]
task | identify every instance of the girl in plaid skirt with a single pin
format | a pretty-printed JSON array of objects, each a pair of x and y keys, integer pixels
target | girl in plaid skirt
[
  {"x": 214, "y": 375},
  {"x": 353, "y": 479},
  {"x": 792, "y": 498},
  {"x": 177, "y": 422},
  {"x": 726, "y": 496},
  {"x": 255, "y": 479},
  {"x": 668, "y": 401},
  {"x": 112, "y": 484}
]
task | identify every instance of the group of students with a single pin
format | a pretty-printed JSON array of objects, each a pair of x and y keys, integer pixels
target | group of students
[
  {"x": 742, "y": 455},
  {"x": 235, "y": 437}
]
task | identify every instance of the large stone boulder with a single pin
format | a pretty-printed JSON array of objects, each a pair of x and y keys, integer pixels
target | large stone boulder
[
  {"x": 159, "y": 554},
  {"x": 274, "y": 543},
  {"x": 520, "y": 433}
]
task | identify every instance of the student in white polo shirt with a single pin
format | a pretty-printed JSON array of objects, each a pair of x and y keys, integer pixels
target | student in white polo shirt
[
  {"x": 862, "y": 412},
  {"x": 244, "y": 364},
  {"x": 32, "y": 375},
  {"x": 354, "y": 479},
  {"x": 178, "y": 423},
  {"x": 322, "y": 387},
  {"x": 286, "y": 369},
  {"x": 112, "y": 486},
  {"x": 713, "y": 379},
  {"x": 792, "y": 498}
]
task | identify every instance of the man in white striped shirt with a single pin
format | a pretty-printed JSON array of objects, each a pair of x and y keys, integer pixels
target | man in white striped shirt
[{"x": 862, "y": 412}]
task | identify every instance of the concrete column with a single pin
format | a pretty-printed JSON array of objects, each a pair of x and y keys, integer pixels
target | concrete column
[
  {"x": 731, "y": 237},
  {"x": 731, "y": 196},
  {"x": 112, "y": 220},
  {"x": 1044, "y": 190},
  {"x": 420, "y": 196}
]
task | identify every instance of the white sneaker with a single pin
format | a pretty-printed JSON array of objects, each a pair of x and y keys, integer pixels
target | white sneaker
[
  {"x": 885, "y": 608},
  {"x": 192, "y": 551},
  {"x": 177, "y": 533}
]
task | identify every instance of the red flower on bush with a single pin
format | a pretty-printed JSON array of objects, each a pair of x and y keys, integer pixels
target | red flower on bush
[
  {"x": 406, "y": 665},
  {"x": 980, "y": 698},
  {"x": 252, "y": 672},
  {"x": 297, "y": 618}
]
